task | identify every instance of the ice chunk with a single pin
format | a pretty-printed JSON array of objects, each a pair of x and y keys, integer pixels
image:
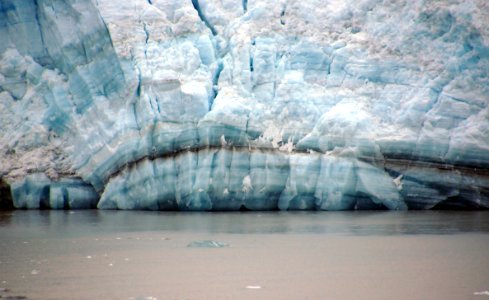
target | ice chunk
[
  {"x": 38, "y": 191},
  {"x": 207, "y": 244}
]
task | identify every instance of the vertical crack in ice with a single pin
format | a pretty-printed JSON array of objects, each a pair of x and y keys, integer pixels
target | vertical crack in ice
[
  {"x": 45, "y": 52},
  {"x": 330, "y": 62},
  {"x": 157, "y": 101},
  {"x": 146, "y": 40},
  {"x": 138, "y": 93},
  {"x": 245, "y": 5},
  {"x": 217, "y": 73},
  {"x": 85, "y": 55},
  {"x": 138, "y": 90},
  {"x": 252, "y": 69},
  {"x": 134, "y": 111},
  {"x": 147, "y": 34},
  {"x": 153, "y": 153},
  {"x": 215, "y": 81},
  {"x": 202, "y": 17},
  {"x": 252, "y": 64},
  {"x": 111, "y": 42},
  {"x": 282, "y": 14}
]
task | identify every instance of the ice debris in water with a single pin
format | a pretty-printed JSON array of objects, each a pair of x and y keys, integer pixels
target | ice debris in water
[
  {"x": 253, "y": 287},
  {"x": 484, "y": 293},
  {"x": 207, "y": 244}
]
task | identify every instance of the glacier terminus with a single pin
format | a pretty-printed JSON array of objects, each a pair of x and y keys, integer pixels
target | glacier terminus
[{"x": 245, "y": 105}]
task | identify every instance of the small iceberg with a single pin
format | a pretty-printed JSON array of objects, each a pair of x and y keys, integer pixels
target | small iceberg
[{"x": 207, "y": 244}]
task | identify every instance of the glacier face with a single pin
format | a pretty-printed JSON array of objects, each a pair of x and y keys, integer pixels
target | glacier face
[{"x": 227, "y": 105}]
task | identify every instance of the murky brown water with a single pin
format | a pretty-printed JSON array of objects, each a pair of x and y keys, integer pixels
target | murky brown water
[{"x": 313, "y": 255}]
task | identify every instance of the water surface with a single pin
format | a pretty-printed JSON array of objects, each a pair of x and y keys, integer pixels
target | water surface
[{"x": 275, "y": 255}]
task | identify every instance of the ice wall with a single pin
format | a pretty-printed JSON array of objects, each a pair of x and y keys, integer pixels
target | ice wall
[{"x": 227, "y": 105}]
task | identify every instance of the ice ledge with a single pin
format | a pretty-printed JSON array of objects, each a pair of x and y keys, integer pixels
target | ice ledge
[
  {"x": 234, "y": 178},
  {"x": 258, "y": 179}
]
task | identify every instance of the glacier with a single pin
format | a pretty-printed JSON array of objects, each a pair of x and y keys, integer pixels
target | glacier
[{"x": 244, "y": 105}]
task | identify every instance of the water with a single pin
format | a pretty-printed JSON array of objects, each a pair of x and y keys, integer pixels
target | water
[{"x": 275, "y": 255}]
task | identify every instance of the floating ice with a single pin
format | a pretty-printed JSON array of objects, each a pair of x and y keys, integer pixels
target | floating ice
[
  {"x": 207, "y": 244},
  {"x": 253, "y": 287}
]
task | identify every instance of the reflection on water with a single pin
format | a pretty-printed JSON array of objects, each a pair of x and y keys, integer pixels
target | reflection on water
[{"x": 77, "y": 223}]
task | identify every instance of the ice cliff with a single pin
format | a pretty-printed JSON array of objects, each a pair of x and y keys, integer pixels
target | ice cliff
[{"x": 260, "y": 105}]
